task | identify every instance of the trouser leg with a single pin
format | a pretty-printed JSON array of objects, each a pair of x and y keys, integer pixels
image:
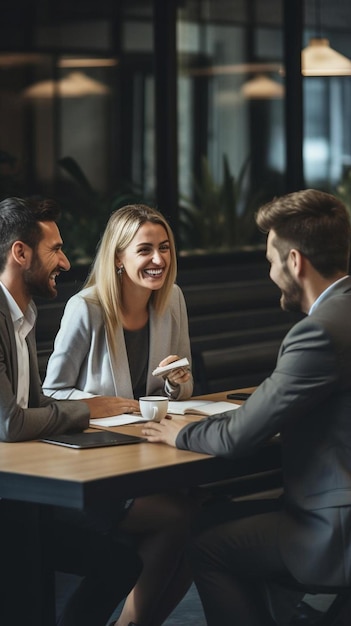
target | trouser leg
[{"x": 231, "y": 560}]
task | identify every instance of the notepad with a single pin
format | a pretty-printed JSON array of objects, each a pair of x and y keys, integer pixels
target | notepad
[
  {"x": 97, "y": 439},
  {"x": 200, "y": 407}
]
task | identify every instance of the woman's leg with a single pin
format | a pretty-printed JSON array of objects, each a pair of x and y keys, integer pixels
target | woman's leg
[{"x": 161, "y": 524}]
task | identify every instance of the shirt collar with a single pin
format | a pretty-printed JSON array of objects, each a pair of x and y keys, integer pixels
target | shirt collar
[
  {"x": 325, "y": 293},
  {"x": 16, "y": 314}
]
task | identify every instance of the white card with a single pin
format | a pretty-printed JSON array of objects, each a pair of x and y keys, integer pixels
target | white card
[{"x": 171, "y": 366}]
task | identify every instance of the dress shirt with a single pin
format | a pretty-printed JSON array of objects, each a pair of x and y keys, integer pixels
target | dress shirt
[{"x": 22, "y": 324}]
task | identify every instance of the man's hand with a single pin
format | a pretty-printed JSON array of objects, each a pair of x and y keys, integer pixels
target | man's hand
[
  {"x": 105, "y": 406},
  {"x": 165, "y": 431}
]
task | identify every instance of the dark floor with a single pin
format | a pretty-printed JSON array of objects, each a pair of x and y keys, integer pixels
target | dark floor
[{"x": 189, "y": 611}]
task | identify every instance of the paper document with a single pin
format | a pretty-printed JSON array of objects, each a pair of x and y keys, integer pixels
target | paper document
[
  {"x": 118, "y": 420},
  {"x": 200, "y": 407}
]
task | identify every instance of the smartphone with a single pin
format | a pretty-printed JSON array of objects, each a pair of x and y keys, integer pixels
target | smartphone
[{"x": 238, "y": 396}]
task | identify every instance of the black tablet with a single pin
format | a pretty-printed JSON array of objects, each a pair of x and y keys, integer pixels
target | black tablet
[{"x": 94, "y": 439}]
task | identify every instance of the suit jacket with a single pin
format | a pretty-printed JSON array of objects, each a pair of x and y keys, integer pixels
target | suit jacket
[
  {"x": 43, "y": 416},
  {"x": 307, "y": 399},
  {"x": 84, "y": 365}
]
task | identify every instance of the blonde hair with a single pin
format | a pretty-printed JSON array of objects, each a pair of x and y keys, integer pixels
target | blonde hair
[{"x": 121, "y": 229}]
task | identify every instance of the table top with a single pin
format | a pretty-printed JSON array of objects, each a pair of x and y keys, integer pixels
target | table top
[{"x": 49, "y": 474}]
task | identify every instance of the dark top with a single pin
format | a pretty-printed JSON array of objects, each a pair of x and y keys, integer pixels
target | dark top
[{"x": 137, "y": 345}]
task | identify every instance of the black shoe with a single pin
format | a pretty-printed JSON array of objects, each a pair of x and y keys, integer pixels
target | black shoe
[{"x": 305, "y": 615}]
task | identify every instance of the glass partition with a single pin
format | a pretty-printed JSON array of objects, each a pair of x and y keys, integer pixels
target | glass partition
[
  {"x": 231, "y": 119},
  {"x": 327, "y": 101},
  {"x": 79, "y": 110}
]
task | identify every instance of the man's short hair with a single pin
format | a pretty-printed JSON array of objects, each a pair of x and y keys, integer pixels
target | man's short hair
[{"x": 315, "y": 223}]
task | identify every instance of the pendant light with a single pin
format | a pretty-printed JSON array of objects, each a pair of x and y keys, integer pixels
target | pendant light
[
  {"x": 74, "y": 85},
  {"x": 261, "y": 87},
  {"x": 319, "y": 59}
]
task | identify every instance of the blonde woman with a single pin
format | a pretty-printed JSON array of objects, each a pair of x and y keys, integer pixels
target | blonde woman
[{"x": 129, "y": 318}]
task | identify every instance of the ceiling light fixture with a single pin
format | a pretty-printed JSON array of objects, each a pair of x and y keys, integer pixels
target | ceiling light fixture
[
  {"x": 74, "y": 85},
  {"x": 319, "y": 59},
  {"x": 262, "y": 87}
]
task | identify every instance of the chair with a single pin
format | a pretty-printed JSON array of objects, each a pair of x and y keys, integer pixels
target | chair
[{"x": 338, "y": 612}]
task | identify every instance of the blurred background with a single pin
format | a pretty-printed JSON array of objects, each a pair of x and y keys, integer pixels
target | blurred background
[{"x": 202, "y": 108}]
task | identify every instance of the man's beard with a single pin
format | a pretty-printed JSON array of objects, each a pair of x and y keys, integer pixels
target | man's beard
[
  {"x": 291, "y": 298},
  {"x": 37, "y": 280}
]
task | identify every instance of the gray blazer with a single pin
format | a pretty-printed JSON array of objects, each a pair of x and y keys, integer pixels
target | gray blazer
[
  {"x": 308, "y": 400},
  {"x": 83, "y": 365},
  {"x": 44, "y": 416}
]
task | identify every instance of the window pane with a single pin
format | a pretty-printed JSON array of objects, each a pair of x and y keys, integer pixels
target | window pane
[
  {"x": 231, "y": 120},
  {"x": 327, "y": 102}
]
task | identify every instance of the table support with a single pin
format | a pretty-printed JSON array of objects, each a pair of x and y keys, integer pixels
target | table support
[{"x": 28, "y": 579}]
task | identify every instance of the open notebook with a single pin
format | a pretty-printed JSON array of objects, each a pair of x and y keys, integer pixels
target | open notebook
[
  {"x": 96, "y": 439},
  {"x": 175, "y": 407},
  {"x": 200, "y": 407}
]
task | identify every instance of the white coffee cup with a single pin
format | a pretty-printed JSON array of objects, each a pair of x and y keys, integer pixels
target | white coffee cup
[{"x": 153, "y": 407}]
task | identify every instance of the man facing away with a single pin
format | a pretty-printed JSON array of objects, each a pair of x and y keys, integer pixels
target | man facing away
[
  {"x": 31, "y": 257},
  {"x": 307, "y": 399}
]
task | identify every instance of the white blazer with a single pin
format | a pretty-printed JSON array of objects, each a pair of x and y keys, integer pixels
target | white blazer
[{"x": 83, "y": 365}]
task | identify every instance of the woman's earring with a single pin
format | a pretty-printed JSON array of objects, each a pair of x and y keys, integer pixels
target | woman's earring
[{"x": 120, "y": 270}]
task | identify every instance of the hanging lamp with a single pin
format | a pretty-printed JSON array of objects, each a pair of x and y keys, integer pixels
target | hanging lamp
[{"x": 318, "y": 58}]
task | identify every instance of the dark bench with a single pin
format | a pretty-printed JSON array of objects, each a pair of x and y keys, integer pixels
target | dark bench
[
  {"x": 236, "y": 329},
  {"x": 49, "y": 318}
]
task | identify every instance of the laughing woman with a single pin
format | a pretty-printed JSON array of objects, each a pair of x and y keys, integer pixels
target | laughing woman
[{"x": 129, "y": 318}]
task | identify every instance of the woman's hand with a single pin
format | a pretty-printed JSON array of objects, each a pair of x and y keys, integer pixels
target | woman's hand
[
  {"x": 105, "y": 406},
  {"x": 177, "y": 376}
]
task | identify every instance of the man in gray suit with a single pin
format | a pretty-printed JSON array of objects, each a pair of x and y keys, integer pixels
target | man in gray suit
[
  {"x": 307, "y": 399},
  {"x": 31, "y": 258}
]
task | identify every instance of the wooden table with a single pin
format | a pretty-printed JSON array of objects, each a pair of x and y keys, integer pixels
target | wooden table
[
  {"x": 44, "y": 475},
  {"x": 52, "y": 475}
]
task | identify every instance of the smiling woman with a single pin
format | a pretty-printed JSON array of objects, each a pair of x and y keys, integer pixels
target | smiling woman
[
  {"x": 145, "y": 262},
  {"x": 130, "y": 318}
]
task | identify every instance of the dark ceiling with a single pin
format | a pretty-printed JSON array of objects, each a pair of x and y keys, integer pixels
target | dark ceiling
[{"x": 336, "y": 14}]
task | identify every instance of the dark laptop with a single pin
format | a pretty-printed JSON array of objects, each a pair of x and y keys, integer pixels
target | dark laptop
[{"x": 94, "y": 439}]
